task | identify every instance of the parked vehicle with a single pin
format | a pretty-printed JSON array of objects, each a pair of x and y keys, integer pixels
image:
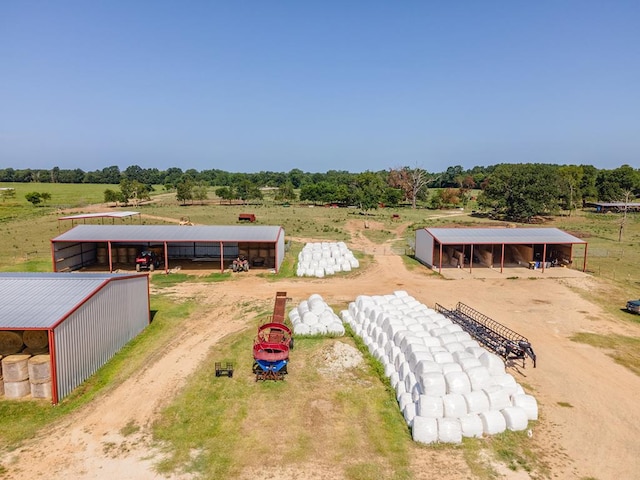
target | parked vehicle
[
  {"x": 147, "y": 260},
  {"x": 633, "y": 306}
]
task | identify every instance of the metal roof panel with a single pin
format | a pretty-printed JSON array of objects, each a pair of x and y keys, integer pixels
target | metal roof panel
[
  {"x": 171, "y": 233},
  {"x": 40, "y": 300},
  {"x": 467, "y": 236}
]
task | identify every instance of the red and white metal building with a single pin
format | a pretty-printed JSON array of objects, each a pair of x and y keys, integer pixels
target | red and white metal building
[{"x": 87, "y": 317}]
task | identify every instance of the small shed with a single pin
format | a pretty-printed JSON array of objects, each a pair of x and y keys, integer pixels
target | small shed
[
  {"x": 80, "y": 320},
  {"x": 540, "y": 248},
  {"x": 117, "y": 245}
]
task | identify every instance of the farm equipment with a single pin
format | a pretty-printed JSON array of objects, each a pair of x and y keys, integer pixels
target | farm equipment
[
  {"x": 224, "y": 369},
  {"x": 240, "y": 264},
  {"x": 493, "y": 335},
  {"x": 147, "y": 260},
  {"x": 272, "y": 344}
]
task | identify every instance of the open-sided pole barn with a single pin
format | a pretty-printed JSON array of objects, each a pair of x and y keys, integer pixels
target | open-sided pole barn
[
  {"x": 108, "y": 245},
  {"x": 80, "y": 319},
  {"x": 490, "y": 247}
]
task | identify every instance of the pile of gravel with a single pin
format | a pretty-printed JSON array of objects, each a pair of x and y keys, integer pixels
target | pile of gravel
[
  {"x": 315, "y": 317},
  {"x": 446, "y": 384},
  {"x": 325, "y": 258}
]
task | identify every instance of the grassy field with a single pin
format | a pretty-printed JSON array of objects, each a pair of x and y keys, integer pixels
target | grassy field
[{"x": 25, "y": 232}]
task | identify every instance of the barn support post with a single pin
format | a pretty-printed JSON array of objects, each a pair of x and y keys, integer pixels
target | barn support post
[
  {"x": 110, "y": 257},
  {"x": 221, "y": 257},
  {"x": 584, "y": 262},
  {"x": 166, "y": 257},
  {"x": 502, "y": 260},
  {"x": 52, "y": 366},
  {"x": 440, "y": 267},
  {"x": 544, "y": 256},
  {"x": 471, "y": 260}
]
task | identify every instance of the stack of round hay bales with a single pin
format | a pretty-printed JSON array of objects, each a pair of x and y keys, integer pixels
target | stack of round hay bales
[
  {"x": 101, "y": 255},
  {"x": 447, "y": 386},
  {"x": 37, "y": 342},
  {"x": 315, "y": 317},
  {"x": 40, "y": 376},
  {"x": 16, "y": 376},
  {"x": 11, "y": 342}
]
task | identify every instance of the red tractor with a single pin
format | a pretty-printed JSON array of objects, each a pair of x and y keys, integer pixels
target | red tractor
[{"x": 147, "y": 260}]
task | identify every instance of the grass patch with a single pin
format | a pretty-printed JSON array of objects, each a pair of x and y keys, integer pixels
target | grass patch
[
  {"x": 625, "y": 351},
  {"x": 378, "y": 236}
]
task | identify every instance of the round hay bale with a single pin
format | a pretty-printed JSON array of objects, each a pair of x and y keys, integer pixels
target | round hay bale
[
  {"x": 528, "y": 403},
  {"x": 10, "y": 342},
  {"x": 498, "y": 397},
  {"x": 471, "y": 425},
  {"x": 515, "y": 418},
  {"x": 301, "y": 329},
  {"x": 404, "y": 400},
  {"x": 442, "y": 357},
  {"x": 476, "y": 351},
  {"x": 432, "y": 383},
  {"x": 36, "y": 339},
  {"x": 39, "y": 369},
  {"x": 454, "y": 347},
  {"x": 479, "y": 377},
  {"x": 454, "y": 405},
  {"x": 40, "y": 390},
  {"x": 449, "y": 430},
  {"x": 15, "y": 368},
  {"x": 477, "y": 402},
  {"x": 457, "y": 382},
  {"x": 507, "y": 382},
  {"x": 492, "y": 422},
  {"x": 469, "y": 363},
  {"x": 457, "y": 356},
  {"x": 309, "y": 318},
  {"x": 17, "y": 389},
  {"x": 409, "y": 413},
  {"x": 430, "y": 406},
  {"x": 1, "y": 387},
  {"x": 424, "y": 430},
  {"x": 451, "y": 367},
  {"x": 394, "y": 379},
  {"x": 424, "y": 366},
  {"x": 493, "y": 362}
]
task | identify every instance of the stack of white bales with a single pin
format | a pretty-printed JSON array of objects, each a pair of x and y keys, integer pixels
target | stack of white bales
[
  {"x": 447, "y": 386},
  {"x": 315, "y": 317},
  {"x": 325, "y": 258}
]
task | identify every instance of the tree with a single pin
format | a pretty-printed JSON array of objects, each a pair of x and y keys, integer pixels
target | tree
[
  {"x": 34, "y": 198},
  {"x": 200, "y": 192},
  {"x": 367, "y": 190},
  {"x": 45, "y": 196},
  {"x": 111, "y": 196},
  {"x": 521, "y": 191},
  {"x": 412, "y": 181},
  {"x": 285, "y": 192},
  {"x": 569, "y": 180},
  {"x": 184, "y": 191},
  {"x": 392, "y": 196},
  {"x": 226, "y": 193},
  {"x": 612, "y": 184}
]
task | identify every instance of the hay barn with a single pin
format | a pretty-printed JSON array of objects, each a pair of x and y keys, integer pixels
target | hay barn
[
  {"x": 116, "y": 246},
  {"x": 538, "y": 248},
  {"x": 73, "y": 323}
]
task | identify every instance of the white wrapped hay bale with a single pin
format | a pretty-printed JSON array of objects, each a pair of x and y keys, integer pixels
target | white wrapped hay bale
[
  {"x": 454, "y": 405},
  {"x": 39, "y": 367},
  {"x": 471, "y": 425},
  {"x": 336, "y": 328},
  {"x": 469, "y": 363},
  {"x": 442, "y": 357},
  {"x": 457, "y": 382},
  {"x": 528, "y": 403},
  {"x": 451, "y": 367},
  {"x": 425, "y": 366},
  {"x": 515, "y": 418},
  {"x": 432, "y": 383},
  {"x": 458, "y": 356},
  {"x": 394, "y": 379},
  {"x": 424, "y": 430},
  {"x": 493, "y": 362},
  {"x": 409, "y": 413},
  {"x": 498, "y": 397},
  {"x": 404, "y": 399},
  {"x": 454, "y": 347},
  {"x": 301, "y": 329},
  {"x": 310, "y": 318},
  {"x": 493, "y": 422},
  {"x": 479, "y": 377},
  {"x": 507, "y": 382},
  {"x": 449, "y": 430},
  {"x": 477, "y": 401},
  {"x": 40, "y": 390},
  {"x": 430, "y": 406},
  {"x": 476, "y": 350}
]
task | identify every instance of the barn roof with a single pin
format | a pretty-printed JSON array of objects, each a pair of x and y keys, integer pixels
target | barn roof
[
  {"x": 40, "y": 300},
  {"x": 99, "y": 215},
  {"x": 171, "y": 233},
  {"x": 467, "y": 236}
]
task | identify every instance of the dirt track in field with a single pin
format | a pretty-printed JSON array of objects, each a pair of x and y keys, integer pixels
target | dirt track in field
[{"x": 589, "y": 418}]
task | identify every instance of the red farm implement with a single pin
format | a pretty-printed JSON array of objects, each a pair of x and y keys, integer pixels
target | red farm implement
[{"x": 272, "y": 344}]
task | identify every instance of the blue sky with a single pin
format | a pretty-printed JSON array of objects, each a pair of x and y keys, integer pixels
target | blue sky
[{"x": 245, "y": 86}]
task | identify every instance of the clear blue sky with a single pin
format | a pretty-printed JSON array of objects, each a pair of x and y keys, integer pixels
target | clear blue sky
[{"x": 245, "y": 86}]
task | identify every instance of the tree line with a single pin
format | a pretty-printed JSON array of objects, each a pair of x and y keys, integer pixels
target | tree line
[{"x": 512, "y": 191}]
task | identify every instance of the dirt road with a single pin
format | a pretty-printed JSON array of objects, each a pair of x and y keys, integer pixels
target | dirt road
[{"x": 589, "y": 421}]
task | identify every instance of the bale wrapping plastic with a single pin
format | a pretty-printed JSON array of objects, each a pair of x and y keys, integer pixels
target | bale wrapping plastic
[
  {"x": 528, "y": 403},
  {"x": 454, "y": 405},
  {"x": 449, "y": 430},
  {"x": 471, "y": 425},
  {"x": 424, "y": 430},
  {"x": 492, "y": 422},
  {"x": 515, "y": 418}
]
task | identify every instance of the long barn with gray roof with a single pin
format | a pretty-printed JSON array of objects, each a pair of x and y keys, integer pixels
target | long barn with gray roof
[
  {"x": 540, "y": 248},
  {"x": 112, "y": 245}
]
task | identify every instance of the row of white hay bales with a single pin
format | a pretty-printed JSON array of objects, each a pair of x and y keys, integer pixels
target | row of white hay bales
[
  {"x": 318, "y": 259},
  {"x": 315, "y": 317},
  {"x": 446, "y": 384}
]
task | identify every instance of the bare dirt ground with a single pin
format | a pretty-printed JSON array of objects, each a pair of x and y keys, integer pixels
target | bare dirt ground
[{"x": 589, "y": 418}]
